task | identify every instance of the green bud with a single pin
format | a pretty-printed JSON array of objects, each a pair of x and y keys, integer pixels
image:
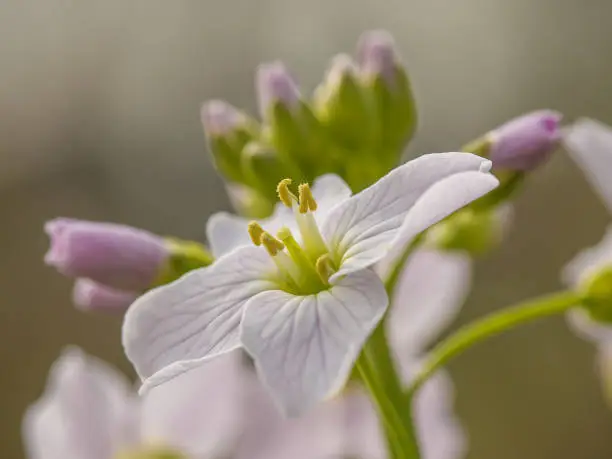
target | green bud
[
  {"x": 596, "y": 291},
  {"x": 387, "y": 84},
  {"x": 227, "y": 130},
  {"x": 184, "y": 256},
  {"x": 341, "y": 105},
  {"x": 263, "y": 169},
  {"x": 474, "y": 231}
]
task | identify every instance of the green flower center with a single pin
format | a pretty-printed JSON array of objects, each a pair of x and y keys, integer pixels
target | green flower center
[{"x": 305, "y": 268}]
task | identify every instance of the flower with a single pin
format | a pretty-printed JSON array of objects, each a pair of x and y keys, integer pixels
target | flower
[
  {"x": 89, "y": 411},
  {"x": 301, "y": 306},
  {"x": 117, "y": 256},
  {"x": 92, "y": 296},
  {"x": 525, "y": 142}
]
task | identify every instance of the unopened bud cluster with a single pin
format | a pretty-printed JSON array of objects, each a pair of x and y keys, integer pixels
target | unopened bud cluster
[{"x": 356, "y": 125}]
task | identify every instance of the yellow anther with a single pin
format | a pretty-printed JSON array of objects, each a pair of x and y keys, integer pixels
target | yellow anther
[
  {"x": 284, "y": 193},
  {"x": 272, "y": 245},
  {"x": 307, "y": 200},
  {"x": 256, "y": 232},
  {"x": 325, "y": 267}
]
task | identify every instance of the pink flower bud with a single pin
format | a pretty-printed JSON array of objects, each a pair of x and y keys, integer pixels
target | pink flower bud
[
  {"x": 377, "y": 55},
  {"x": 525, "y": 142},
  {"x": 88, "y": 295},
  {"x": 220, "y": 118},
  {"x": 275, "y": 84},
  {"x": 118, "y": 256}
]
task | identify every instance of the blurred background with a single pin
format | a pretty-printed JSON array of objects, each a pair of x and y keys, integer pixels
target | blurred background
[{"x": 100, "y": 120}]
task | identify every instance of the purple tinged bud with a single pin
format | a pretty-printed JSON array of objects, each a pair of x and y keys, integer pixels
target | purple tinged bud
[
  {"x": 220, "y": 118},
  {"x": 118, "y": 256},
  {"x": 523, "y": 143},
  {"x": 275, "y": 84},
  {"x": 377, "y": 55},
  {"x": 88, "y": 295}
]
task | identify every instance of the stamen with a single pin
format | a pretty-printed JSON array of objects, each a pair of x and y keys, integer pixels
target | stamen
[
  {"x": 284, "y": 193},
  {"x": 309, "y": 278},
  {"x": 325, "y": 268},
  {"x": 256, "y": 232},
  {"x": 272, "y": 245},
  {"x": 313, "y": 241},
  {"x": 307, "y": 200}
]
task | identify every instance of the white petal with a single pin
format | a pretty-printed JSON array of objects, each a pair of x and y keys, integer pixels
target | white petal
[
  {"x": 589, "y": 261},
  {"x": 174, "y": 328},
  {"x": 589, "y": 143},
  {"x": 198, "y": 413},
  {"x": 587, "y": 328},
  {"x": 428, "y": 296},
  {"x": 225, "y": 231},
  {"x": 304, "y": 347},
  {"x": 439, "y": 432},
  {"x": 83, "y": 412},
  {"x": 361, "y": 230}
]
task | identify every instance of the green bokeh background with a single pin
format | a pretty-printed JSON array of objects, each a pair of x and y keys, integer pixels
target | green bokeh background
[{"x": 100, "y": 120}]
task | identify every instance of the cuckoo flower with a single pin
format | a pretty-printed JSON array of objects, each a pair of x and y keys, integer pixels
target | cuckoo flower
[
  {"x": 89, "y": 411},
  {"x": 301, "y": 303}
]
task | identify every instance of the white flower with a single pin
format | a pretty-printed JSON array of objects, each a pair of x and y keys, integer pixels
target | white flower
[
  {"x": 302, "y": 307},
  {"x": 89, "y": 411}
]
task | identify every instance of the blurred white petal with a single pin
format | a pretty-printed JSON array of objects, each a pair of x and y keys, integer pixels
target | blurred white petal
[{"x": 429, "y": 294}]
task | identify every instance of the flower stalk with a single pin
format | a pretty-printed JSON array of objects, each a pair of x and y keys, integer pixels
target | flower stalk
[{"x": 489, "y": 326}]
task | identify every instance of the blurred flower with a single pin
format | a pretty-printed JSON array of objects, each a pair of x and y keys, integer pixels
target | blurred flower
[
  {"x": 525, "y": 142},
  {"x": 589, "y": 144},
  {"x": 89, "y": 295},
  {"x": 118, "y": 256},
  {"x": 88, "y": 411},
  {"x": 114, "y": 263},
  {"x": 249, "y": 296}
]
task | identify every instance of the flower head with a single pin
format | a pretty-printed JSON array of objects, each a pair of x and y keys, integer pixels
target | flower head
[
  {"x": 377, "y": 56},
  {"x": 303, "y": 300},
  {"x": 525, "y": 142},
  {"x": 118, "y": 256}
]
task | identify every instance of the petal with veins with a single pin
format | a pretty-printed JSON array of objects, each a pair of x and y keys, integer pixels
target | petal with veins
[
  {"x": 412, "y": 197},
  {"x": 176, "y": 327},
  {"x": 304, "y": 347}
]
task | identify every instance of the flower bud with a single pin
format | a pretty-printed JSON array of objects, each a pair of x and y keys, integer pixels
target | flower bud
[
  {"x": 524, "y": 143},
  {"x": 292, "y": 129},
  {"x": 386, "y": 83},
  {"x": 249, "y": 202},
  {"x": 88, "y": 295},
  {"x": 274, "y": 85},
  {"x": 227, "y": 130},
  {"x": 341, "y": 106},
  {"x": 473, "y": 230},
  {"x": 118, "y": 256}
]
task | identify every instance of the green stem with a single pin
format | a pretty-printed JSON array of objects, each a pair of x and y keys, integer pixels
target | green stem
[
  {"x": 489, "y": 326},
  {"x": 377, "y": 371}
]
